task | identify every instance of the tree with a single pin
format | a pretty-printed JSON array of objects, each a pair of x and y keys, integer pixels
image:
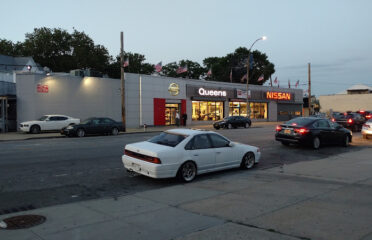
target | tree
[
  {"x": 194, "y": 69},
  {"x": 235, "y": 63},
  {"x": 136, "y": 65}
]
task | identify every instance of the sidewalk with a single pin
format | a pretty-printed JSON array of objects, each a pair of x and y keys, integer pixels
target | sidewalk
[
  {"x": 324, "y": 199},
  {"x": 11, "y": 136}
]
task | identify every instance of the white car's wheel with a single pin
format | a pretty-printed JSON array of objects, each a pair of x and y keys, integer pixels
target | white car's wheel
[
  {"x": 187, "y": 171},
  {"x": 35, "y": 129},
  {"x": 248, "y": 161}
]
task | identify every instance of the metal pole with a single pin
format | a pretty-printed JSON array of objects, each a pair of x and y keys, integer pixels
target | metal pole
[
  {"x": 248, "y": 106},
  {"x": 309, "y": 93},
  {"x": 122, "y": 80},
  {"x": 140, "y": 98}
]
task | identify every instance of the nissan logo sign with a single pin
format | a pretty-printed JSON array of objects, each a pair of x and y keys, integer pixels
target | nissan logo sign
[{"x": 213, "y": 93}]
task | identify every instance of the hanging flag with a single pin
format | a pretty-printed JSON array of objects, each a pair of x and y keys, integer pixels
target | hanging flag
[
  {"x": 181, "y": 69},
  {"x": 261, "y": 78},
  {"x": 209, "y": 73},
  {"x": 158, "y": 67},
  {"x": 126, "y": 62},
  {"x": 231, "y": 75},
  {"x": 289, "y": 84},
  {"x": 298, "y": 82},
  {"x": 276, "y": 80},
  {"x": 251, "y": 61},
  {"x": 243, "y": 78}
]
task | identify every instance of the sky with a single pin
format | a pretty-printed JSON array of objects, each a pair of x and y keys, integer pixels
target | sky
[{"x": 334, "y": 36}]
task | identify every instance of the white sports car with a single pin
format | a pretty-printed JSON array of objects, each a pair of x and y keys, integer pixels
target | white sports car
[
  {"x": 48, "y": 123},
  {"x": 186, "y": 153}
]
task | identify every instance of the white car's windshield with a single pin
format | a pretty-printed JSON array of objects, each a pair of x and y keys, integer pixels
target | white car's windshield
[
  {"x": 168, "y": 139},
  {"x": 43, "y": 118}
]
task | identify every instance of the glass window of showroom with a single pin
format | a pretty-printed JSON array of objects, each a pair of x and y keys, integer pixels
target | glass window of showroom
[
  {"x": 258, "y": 110},
  {"x": 207, "y": 111}
]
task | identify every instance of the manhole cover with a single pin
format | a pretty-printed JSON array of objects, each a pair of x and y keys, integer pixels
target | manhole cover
[{"x": 22, "y": 221}]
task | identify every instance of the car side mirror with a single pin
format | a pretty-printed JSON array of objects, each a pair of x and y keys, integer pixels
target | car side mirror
[
  {"x": 338, "y": 127},
  {"x": 231, "y": 144}
]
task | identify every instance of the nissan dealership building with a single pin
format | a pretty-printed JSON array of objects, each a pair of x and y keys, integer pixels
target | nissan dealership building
[{"x": 151, "y": 100}]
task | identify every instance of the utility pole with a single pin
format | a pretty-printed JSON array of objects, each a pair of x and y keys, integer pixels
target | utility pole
[
  {"x": 122, "y": 89},
  {"x": 309, "y": 90}
]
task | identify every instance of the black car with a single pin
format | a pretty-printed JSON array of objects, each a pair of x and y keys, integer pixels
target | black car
[
  {"x": 233, "y": 122},
  {"x": 312, "y": 131},
  {"x": 353, "y": 121},
  {"x": 93, "y": 126}
]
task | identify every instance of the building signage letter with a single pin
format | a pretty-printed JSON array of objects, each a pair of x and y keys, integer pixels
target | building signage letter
[
  {"x": 212, "y": 93},
  {"x": 278, "y": 96}
]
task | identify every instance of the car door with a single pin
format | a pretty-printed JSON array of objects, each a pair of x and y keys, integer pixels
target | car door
[
  {"x": 93, "y": 127},
  {"x": 50, "y": 123},
  {"x": 224, "y": 153},
  {"x": 337, "y": 133},
  {"x": 325, "y": 131},
  {"x": 200, "y": 150}
]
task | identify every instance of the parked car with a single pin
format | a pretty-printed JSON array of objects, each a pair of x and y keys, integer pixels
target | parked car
[
  {"x": 367, "y": 129},
  {"x": 366, "y": 114},
  {"x": 48, "y": 123},
  {"x": 353, "y": 121},
  {"x": 185, "y": 153},
  {"x": 233, "y": 122},
  {"x": 93, "y": 126},
  {"x": 312, "y": 131}
]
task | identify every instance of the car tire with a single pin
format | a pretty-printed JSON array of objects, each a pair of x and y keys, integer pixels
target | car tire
[
  {"x": 346, "y": 141},
  {"x": 247, "y": 125},
  {"x": 35, "y": 129},
  {"x": 114, "y": 131},
  {"x": 187, "y": 171},
  {"x": 80, "y": 132},
  {"x": 316, "y": 143},
  {"x": 229, "y": 126},
  {"x": 248, "y": 161},
  {"x": 217, "y": 127},
  {"x": 355, "y": 128},
  {"x": 285, "y": 143}
]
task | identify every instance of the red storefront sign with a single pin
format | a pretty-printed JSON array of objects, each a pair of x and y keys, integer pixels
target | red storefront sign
[
  {"x": 278, "y": 95},
  {"x": 42, "y": 88}
]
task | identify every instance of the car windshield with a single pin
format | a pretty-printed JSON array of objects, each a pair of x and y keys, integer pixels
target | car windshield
[
  {"x": 300, "y": 121},
  {"x": 168, "y": 139},
  {"x": 43, "y": 118}
]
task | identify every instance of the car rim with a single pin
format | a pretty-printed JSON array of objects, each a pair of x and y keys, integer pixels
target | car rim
[
  {"x": 115, "y": 131},
  {"x": 249, "y": 160},
  {"x": 246, "y": 125},
  {"x": 347, "y": 141},
  {"x": 188, "y": 171},
  {"x": 316, "y": 143},
  {"x": 81, "y": 133},
  {"x": 229, "y": 126}
]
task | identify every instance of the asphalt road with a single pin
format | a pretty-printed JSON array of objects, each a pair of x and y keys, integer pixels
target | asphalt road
[{"x": 44, "y": 172}]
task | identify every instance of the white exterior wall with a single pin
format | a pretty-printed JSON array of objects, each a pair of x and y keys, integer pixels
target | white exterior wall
[{"x": 345, "y": 102}]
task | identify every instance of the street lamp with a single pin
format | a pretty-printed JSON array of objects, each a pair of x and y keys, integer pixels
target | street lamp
[{"x": 249, "y": 54}]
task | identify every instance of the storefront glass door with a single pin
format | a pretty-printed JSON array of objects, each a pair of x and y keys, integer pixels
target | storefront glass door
[{"x": 170, "y": 113}]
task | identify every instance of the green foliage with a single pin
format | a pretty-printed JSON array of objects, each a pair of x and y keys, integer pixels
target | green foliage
[
  {"x": 62, "y": 51},
  {"x": 236, "y": 63}
]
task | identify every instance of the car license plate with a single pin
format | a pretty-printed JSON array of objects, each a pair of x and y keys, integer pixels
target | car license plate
[
  {"x": 287, "y": 131},
  {"x": 136, "y": 166}
]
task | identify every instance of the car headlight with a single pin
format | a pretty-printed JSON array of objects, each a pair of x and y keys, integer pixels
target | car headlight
[{"x": 70, "y": 127}]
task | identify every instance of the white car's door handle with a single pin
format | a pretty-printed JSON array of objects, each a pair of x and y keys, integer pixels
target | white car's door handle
[
  {"x": 195, "y": 155},
  {"x": 218, "y": 152}
]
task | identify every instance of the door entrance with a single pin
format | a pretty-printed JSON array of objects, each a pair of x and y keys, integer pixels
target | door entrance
[
  {"x": 8, "y": 113},
  {"x": 170, "y": 113}
]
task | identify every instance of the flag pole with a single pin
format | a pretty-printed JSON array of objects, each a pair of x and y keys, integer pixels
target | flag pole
[{"x": 122, "y": 89}]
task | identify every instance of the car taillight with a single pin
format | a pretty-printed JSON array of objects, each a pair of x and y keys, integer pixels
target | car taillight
[
  {"x": 333, "y": 120},
  {"x": 365, "y": 125},
  {"x": 350, "y": 120},
  {"x": 301, "y": 130},
  {"x": 368, "y": 116},
  {"x": 278, "y": 128},
  {"x": 142, "y": 157}
]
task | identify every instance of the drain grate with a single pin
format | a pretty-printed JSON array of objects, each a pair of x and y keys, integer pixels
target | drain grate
[{"x": 22, "y": 221}]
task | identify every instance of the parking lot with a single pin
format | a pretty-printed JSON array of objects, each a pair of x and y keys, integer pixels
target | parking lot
[{"x": 45, "y": 172}]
